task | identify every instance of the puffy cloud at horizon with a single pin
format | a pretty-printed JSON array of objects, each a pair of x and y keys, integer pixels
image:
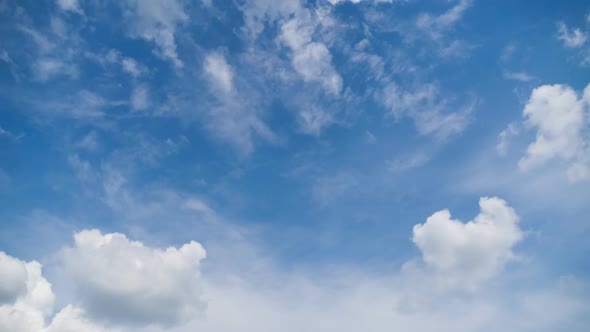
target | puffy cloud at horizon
[
  {"x": 123, "y": 281},
  {"x": 464, "y": 255},
  {"x": 26, "y": 299},
  {"x": 344, "y": 302}
]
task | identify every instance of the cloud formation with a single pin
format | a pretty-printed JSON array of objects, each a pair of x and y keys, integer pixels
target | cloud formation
[
  {"x": 123, "y": 281},
  {"x": 156, "y": 21},
  {"x": 26, "y": 298},
  {"x": 466, "y": 254},
  {"x": 559, "y": 116}
]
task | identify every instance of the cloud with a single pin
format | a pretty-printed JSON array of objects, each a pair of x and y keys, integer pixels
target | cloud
[
  {"x": 128, "y": 65},
  {"x": 559, "y": 116},
  {"x": 156, "y": 21},
  {"x": 73, "y": 319},
  {"x": 463, "y": 255},
  {"x": 57, "y": 51},
  {"x": 504, "y": 138},
  {"x": 573, "y": 38},
  {"x": 13, "y": 275},
  {"x": 89, "y": 142},
  {"x": 407, "y": 163},
  {"x": 311, "y": 59},
  {"x": 70, "y": 5},
  {"x": 47, "y": 68},
  {"x": 26, "y": 297},
  {"x": 125, "y": 282},
  {"x": 436, "y": 25},
  {"x": 84, "y": 105},
  {"x": 267, "y": 299},
  {"x": 219, "y": 72},
  {"x": 426, "y": 107},
  {"x": 140, "y": 98},
  {"x": 370, "y": 137},
  {"x": 233, "y": 117},
  {"x": 257, "y": 13},
  {"x": 313, "y": 119},
  {"x": 335, "y": 2},
  {"x": 518, "y": 76}
]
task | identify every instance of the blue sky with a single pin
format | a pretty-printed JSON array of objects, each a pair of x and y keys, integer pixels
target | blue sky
[{"x": 211, "y": 165}]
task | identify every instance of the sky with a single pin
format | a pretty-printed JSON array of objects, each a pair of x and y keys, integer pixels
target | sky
[{"x": 296, "y": 165}]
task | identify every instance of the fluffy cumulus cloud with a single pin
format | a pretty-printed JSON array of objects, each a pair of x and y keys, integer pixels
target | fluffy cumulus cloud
[
  {"x": 26, "y": 298},
  {"x": 559, "y": 116},
  {"x": 137, "y": 288},
  {"x": 124, "y": 282},
  {"x": 72, "y": 319},
  {"x": 119, "y": 283},
  {"x": 464, "y": 255}
]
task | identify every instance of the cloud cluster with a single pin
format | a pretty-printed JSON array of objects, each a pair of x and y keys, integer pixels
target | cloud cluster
[
  {"x": 117, "y": 283},
  {"x": 26, "y": 298},
  {"x": 125, "y": 286},
  {"x": 124, "y": 281},
  {"x": 464, "y": 255},
  {"x": 560, "y": 117},
  {"x": 156, "y": 21}
]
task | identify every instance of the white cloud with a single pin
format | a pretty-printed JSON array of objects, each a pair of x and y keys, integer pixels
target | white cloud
[
  {"x": 464, "y": 255},
  {"x": 518, "y": 76},
  {"x": 126, "y": 282},
  {"x": 559, "y": 116},
  {"x": 73, "y": 319},
  {"x": 313, "y": 120},
  {"x": 427, "y": 108},
  {"x": 89, "y": 142},
  {"x": 140, "y": 98},
  {"x": 84, "y": 105},
  {"x": 157, "y": 21},
  {"x": 370, "y": 137},
  {"x": 436, "y": 25},
  {"x": 70, "y": 5},
  {"x": 25, "y": 296},
  {"x": 311, "y": 59},
  {"x": 409, "y": 162},
  {"x": 504, "y": 138},
  {"x": 335, "y": 2},
  {"x": 129, "y": 65},
  {"x": 573, "y": 38},
  {"x": 257, "y": 13},
  {"x": 197, "y": 205},
  {"x": 234, "y": 116},
  {"x": 13, "y": 274},
  {"x": 266, "y": 299},
  {"x": 219, "y": 72},
  {"x": 47, "y": 68},
  {"x": 57, "y": 52}
]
